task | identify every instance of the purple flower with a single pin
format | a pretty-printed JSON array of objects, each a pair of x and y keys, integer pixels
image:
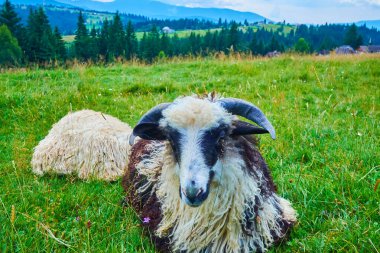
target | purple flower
[{"x": 146, "y": 220}]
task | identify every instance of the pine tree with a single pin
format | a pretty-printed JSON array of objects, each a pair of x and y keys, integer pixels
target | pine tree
[
  {"x": 260, "y": 48},
  {"x": 175, "y": 45},
  {"x": 214, "y": 41},
  {"x": 10, "y": 52},
  {"x": 274, "y": 44},
  {"x": 82, "y": 39},
  {"x": 207, "y": 42},
  {"x": 40, "y": 39},
  {"x": 93, "y": 45},
  {"x": 352, "y": 37},
  {"x": 103, "y": 40},
  {"x": 222, "y": 40},
  {"x": 253, "y": 46},
  {"x": 164, "y": 44},
  {"x": 152, "y": 45},
  {"x": 59, "y": 45},
  {"x": 131, "y": 41},
  {"x": 117, "y": 43},
  {"x": 220, "y": 22},
  {"x": 8, "y": 17},
  {"x": 142, "y": 46},
  {"x": 233, "y": 37}
]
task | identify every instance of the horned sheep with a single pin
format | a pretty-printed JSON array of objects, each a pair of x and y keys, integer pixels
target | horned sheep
[
  {"x": 199, "y": 183},
  {"x": 87, "y": 143}
]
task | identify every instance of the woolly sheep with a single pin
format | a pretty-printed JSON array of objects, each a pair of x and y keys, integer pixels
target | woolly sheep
[
  {"x": 198, "y": 181},
  {"x": 87, "y": 143}
]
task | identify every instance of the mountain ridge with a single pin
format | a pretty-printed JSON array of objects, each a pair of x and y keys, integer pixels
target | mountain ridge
[
  {"x": 153, "y": 9},
  {"x": 369, "y": 23}
]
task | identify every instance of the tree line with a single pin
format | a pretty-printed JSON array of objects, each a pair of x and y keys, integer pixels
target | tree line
[{"x": 37, "y": 42}]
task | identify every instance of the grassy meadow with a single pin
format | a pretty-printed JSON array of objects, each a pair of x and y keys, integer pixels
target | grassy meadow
[{"x": 325, "y": 160}]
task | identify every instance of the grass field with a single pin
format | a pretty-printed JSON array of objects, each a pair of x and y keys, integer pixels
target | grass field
[{"x": 326, "y": 159}]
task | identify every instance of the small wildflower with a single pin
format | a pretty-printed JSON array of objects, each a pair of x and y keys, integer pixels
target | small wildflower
[
  {"x": 146, "y": 220},
  {"x": 88, "y": 224},
  {"x": 77, "y": 218}
]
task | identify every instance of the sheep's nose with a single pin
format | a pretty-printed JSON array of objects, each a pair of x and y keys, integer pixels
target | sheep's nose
[{"x": 192, "y": 193}]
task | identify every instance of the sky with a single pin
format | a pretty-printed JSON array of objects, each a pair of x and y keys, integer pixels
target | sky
[{"x": 297, "y": 11}]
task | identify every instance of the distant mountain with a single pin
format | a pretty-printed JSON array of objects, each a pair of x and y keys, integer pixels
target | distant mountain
[
  {"x": 155, "y": 9},
  {"x": 370, "y": 23}
]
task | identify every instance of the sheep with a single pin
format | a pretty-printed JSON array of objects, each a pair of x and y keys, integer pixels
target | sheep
[
  {"x": 198, "y": 182},
  {"x": 87, "y": 143}
]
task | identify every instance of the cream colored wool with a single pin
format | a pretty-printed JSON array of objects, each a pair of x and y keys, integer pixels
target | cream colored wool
[
  {"x": 215, "y": 226},
  {"x": 87, "y": 143}
]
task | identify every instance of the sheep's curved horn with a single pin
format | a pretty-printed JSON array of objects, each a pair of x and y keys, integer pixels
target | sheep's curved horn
[
  {"x": 152, "y": 116},
  {"x": 248, "y": 111}
]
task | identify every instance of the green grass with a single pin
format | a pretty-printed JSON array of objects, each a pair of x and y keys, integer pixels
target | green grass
[{"x": 326, "y": 159}]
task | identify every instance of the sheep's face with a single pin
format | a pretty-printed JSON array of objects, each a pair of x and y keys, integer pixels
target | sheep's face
[
  {"x": 196, "y": 130},
  {"x": 197, "y": 152}
]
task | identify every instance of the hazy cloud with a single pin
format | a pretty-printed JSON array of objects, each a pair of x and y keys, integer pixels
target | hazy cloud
[
  {"x": 361, "y": 2},
  {"x": 297, "y": 11}
]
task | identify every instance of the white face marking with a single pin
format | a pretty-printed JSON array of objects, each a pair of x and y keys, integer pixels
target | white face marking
[{"x": 192, "y": 166}]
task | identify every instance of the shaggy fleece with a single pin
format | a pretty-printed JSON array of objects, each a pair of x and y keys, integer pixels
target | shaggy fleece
[{"x": 86, "y": 143}]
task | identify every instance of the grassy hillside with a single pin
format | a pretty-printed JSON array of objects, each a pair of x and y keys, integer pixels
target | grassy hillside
[{"x": 326, "y": 159}]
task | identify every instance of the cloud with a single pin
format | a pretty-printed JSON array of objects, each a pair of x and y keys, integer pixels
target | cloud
[
  {"x": 361, "y": 2},
  {"x": 297, "y": 11}
]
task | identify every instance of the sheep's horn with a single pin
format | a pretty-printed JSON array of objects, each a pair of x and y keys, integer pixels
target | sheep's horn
[
  {"x": 152, "y": 116},
  {"x": 248, "y": 111}
]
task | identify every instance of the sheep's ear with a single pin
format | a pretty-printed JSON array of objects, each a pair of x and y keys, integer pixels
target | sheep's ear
[
  {"x": 245, "y": 128},
  {"x": 149, "y": 131}
]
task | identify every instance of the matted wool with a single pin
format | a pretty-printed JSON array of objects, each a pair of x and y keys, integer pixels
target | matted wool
[{"x": 87, "y": 143}]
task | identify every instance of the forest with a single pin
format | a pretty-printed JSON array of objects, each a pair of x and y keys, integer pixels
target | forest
[{"x": 37, "y": 42}]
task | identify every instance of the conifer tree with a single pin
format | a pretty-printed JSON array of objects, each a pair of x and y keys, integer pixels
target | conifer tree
[
  {"x": 81, "y": 39},
  {"x": 131, "y": 41},
  {"x": 233, "y": 37},
  {"x": 165, "y": 44},
  {"x": 40, "y": 38},
  {"x": 352, "y": 37},
  {"x": 142, "y": 46},
  {"x": 8, "y": 17},
  {"x": 253, "y": 46},
  {"x": 117, "y": 43},
  {"x": 274, "y": 44},
  {"x": 59, "y": 45},
  {"x": 152, "y": 46},
  {"x": 222, "y": 40},
  {"x": 175, "y": 45},
  {"x": 103, "y": 40},
  {"x": 207, "y": 41},
  {"x": 93, "y": 46}
]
